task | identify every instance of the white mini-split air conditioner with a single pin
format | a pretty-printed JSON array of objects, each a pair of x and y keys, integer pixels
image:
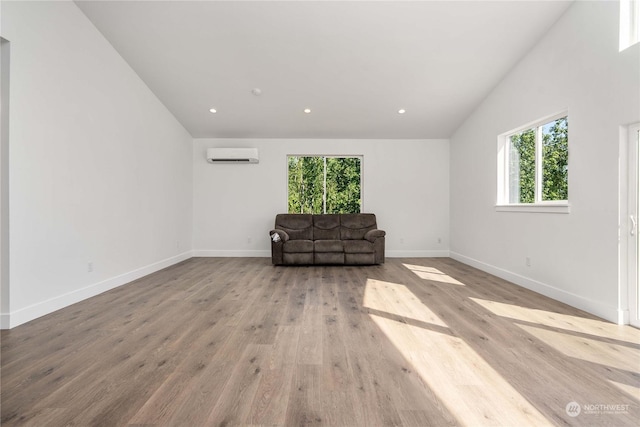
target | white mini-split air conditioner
[{"x": 232, "y": 155}]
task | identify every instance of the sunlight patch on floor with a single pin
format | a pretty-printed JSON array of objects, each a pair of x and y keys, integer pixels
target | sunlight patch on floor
[
  {"x": 583, "y": 325},
  {"x": 430, "y": 273},
  {"x": 397, "y": 299},
  {"x": 629, "y": 389},
  {"x": 590, "y": 350},
  {"x": 462, "y": 380}
]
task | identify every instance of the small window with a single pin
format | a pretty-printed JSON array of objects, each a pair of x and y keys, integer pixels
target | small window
[
  {"x": 324, "y": 184},
  {"x": 533, "y": 164},
  {"x": 629, "y": 23}
]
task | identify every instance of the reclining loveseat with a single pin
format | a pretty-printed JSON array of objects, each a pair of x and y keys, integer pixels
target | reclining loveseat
[{"x": 300, "y": 239}]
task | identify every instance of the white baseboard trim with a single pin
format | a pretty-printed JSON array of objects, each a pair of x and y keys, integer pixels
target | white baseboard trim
[
  {"x": 267, "y": 254},
  {"x": 623, "y": 317},
  {"x": 26, "y": 314},
  {"x": 5, "y": 321},
  {"x": 596, "y": 308},
  {"x": 207, "y": 253},
  {"x": 417, "y": 254}
]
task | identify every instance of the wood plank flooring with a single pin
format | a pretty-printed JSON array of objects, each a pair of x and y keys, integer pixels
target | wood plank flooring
[{"x": 237, "y": 341}]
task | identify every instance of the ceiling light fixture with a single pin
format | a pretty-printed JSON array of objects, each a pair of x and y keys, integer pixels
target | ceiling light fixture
[
  {"x": 213, "y": 110},
  {"x": 256, "y": 91},
  {"x": 402, "y": 111},
  {"x": 307, "y": 110}
]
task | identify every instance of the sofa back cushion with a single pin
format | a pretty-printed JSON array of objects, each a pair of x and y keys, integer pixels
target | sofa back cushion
[
  {"x": 326, "y": 227},
  {"x": 297, "y": 226},
  {"x": 355, "y": 226}
]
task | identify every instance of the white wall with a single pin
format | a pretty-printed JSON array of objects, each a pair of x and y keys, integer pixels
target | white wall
[
  {"x": 574, "y": 257},
  {"x": 100, "y": 171},
  {"x": 406, "y": 184}
]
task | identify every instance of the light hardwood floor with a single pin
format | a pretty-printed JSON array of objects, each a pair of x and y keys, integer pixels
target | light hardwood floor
[{"x": 236, "y": 341}]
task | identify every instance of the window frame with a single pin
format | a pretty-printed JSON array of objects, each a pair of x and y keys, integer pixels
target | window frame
[
  {"x": 629, "y": 23},
  {"x": 539, "y": 206},
  {"x": 358, "y": 156}
]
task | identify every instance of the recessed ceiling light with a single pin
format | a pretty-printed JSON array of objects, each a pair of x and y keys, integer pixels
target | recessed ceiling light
[
  {"x": 402, "y": 111},
  {"x": 213, "y": 110},
  {"x": 307, "y": 110},
  {"x": 256, "y": 91}
]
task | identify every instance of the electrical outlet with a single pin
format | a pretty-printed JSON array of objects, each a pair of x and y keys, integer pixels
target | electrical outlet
[
  {"x": 402, "y": 240},
  {"x": 89, "y": 267},
  {"x": 248, "y": 239},
  {"x": 527, "y": 261},
  {"x": 439, "y": 239}
]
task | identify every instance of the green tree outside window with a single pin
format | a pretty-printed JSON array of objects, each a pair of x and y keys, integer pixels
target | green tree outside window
[
  {"x": 323, "y": 184},
  {"x": 552, "y": 141}
]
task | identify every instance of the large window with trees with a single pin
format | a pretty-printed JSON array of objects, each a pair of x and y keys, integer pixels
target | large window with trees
[
  {"x": 324, "y": 184},
  {"x": 534, "y": 164}
]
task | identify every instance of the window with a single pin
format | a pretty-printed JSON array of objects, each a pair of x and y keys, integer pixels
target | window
[
  {"x": 324, "y": 184},
  {"x": 629, "y": 23},
  {"x": 533, "y": 164}
]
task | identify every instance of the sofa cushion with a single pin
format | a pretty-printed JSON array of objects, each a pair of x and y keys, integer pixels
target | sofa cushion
[
  {"x": 328, "y": 246},
  {"x": 355, "y": 226},
  {"x": 298, "y": 258},
  {"x": 297, "y": 226},
  {"x": 293, "y": 246},
  {"x": 358, "y": 259},
  {"x": 326, "y": 227},
  {"x": 328, "y": 258},
  {"x": 358, "y": 247}
]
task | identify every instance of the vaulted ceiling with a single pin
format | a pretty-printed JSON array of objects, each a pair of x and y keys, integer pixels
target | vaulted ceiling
[{"x": 353, "y": 64}]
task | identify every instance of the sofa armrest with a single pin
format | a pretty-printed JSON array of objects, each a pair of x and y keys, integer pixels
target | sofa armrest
[
  {"x": 283, "y": 234},
  {"x": 372, "y": 235}
]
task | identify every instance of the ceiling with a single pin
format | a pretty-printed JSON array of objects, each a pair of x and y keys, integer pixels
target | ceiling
[{"x": 354, "y": 64}]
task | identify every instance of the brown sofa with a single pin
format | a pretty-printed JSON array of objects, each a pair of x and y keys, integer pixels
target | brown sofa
[{"x": 300, "y": 239}]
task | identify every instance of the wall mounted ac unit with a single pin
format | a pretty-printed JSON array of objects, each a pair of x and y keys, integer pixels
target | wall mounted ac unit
[{"x": 232, "y": 155}]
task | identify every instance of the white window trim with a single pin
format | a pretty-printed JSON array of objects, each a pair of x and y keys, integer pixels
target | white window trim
[
  {"x": 551, "y": 207},
  {"x": 629, "y": 23},
  {"x": 502, "y": 204}
]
